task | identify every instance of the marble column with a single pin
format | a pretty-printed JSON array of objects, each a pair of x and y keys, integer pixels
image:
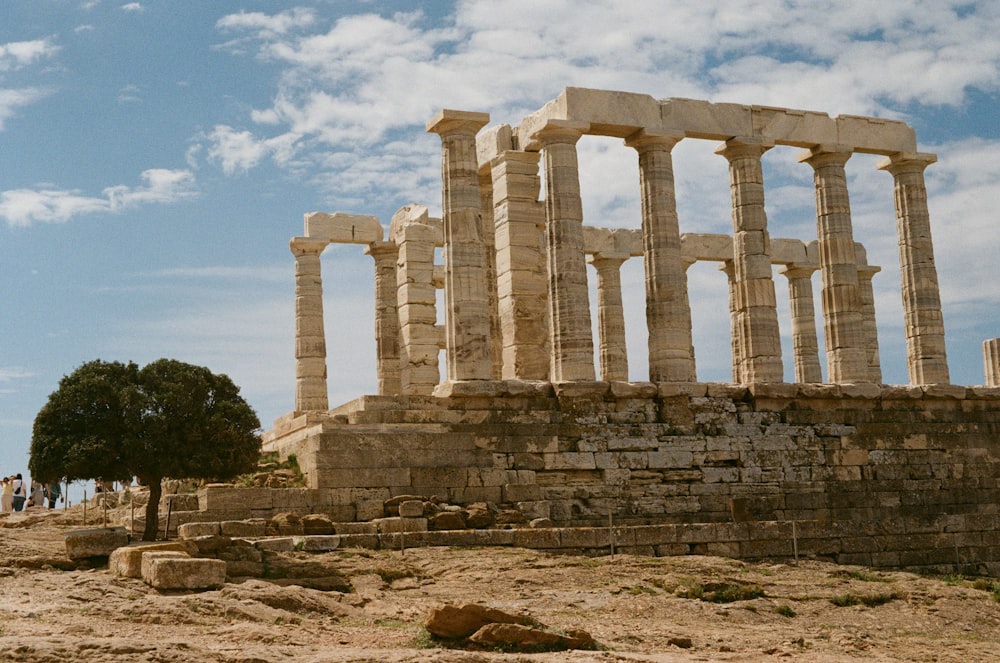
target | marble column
[
  {"x": 991, "y": 361},
  {"x": 466, "y": 296},
  {"x": 613, "y": 353},
  {"x": 846, "y": 359},
  {"x": 522, "y": 288},
  {"x": 419, "y": 336},
  {"x": 925, "y": 349},
  {"x": 735, "y": 327},
  {"x": 869, "y": 327},
  {"x": 310, "y": 337},
  {"x": 490, "y": 249},
  {"x": 755, "y": 296},
  {"x": 387, "y": 364},
  {"x": 804, "y": 341},
  {"x": 570, "y": 333},
  {"x": 668, "y": 311}
]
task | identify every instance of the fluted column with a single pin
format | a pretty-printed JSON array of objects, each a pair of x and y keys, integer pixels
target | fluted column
[
  {"x": 570, "y": 332},
  {"x": 668, "y": 311},
  {"x": 846, "y": 359},
  {"x": 991, "y": 361},
  {"x": 490, "y": 249},
  {"x": 925, "y": 349},
  {"x": 522, "y": 288},
  {"x": 611, "y": 316},
  {"x": 869, "y": 327},
  {"x": 386, "y": 317},
  {"x": 804, "y": 341},
  {"x": 735, "y": 328},
  {"x": 310, "y": 337},
  {"x": 467, "y": 315},
  {"x": 417, "y": 303},
  {"x": 755, "y": 296}
]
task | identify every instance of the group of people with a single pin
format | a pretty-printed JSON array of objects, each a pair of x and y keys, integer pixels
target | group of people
[{"x": 16, "y": 495}]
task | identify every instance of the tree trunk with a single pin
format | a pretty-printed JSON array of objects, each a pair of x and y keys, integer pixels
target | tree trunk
[{"x": 153, "y": 510}]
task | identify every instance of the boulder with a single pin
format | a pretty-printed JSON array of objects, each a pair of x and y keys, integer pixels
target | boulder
[
  {"x": 96, "y": 542},
  {"x": 479, "y": 515},
  {"x": 461, "y": 621},
  {"x": 411, "y": 509},
  {"x": 524, "y": 638},
  {"x": 285, "y": 524},
  {"x": 316, "y": 543},
  {"x": 447, "y": 520},
  {"x": 317, "y": 524}
]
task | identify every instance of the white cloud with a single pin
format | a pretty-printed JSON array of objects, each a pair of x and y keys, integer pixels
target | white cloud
[
  {"x": 48, "y": 204},
  {"x": 18, "y": 54},
  {"x": 264, "y": 25},
  {"x": 239, "y": 151},
  {"x": 12, "y": 100},
  {"x": 133, "y": 7}
]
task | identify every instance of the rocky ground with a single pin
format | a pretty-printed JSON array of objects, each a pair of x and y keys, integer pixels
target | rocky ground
[{"x": 636, "y": 608}]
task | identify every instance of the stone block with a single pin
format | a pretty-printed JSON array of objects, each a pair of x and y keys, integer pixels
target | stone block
[
  {"x": 127, "y": 560},
  {"x": 255, "y": 527},
  {"x": 316, "y": 543},
  {"x": 411, "y": 509},
  {"x": 183, "y": 572},
  {"x": 400, "y": 524},
  {"x": 191, "y": 530},
  {"x": 282, "y": 544},
  {"x": 96, "y": 542}
]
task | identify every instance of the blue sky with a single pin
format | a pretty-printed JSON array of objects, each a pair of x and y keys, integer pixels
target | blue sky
[{"x": 156, "y": 157}]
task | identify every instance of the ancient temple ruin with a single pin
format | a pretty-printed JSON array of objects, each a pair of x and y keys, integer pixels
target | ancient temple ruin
[{"x": 521, "y": 416}]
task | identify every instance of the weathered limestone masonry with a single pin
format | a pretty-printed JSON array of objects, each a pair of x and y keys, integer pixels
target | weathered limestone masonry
[{"x": 852, "y": 469}]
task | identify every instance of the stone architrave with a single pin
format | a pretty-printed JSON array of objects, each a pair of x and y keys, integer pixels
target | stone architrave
[
  {"x": 416, "y": 300},
  {"x": 804, "y": 341},
  {"x": 613, "y": 353},
  {"x": 845, "y": 340},
  {"x": 755, "y": 297},
  {"x": 466, "y": 296},
  {"x": 925, "y": 348},
  {"x": 865, "y": 275},
  {"x": 310, "y": 337},
  {"x": 668, "y": 311},
  {"x": 991, "y": 361},
  {"x": 522, "y": 290},
  {"x": 386, "y": 317},
  {"x": 570, "y": 331}
]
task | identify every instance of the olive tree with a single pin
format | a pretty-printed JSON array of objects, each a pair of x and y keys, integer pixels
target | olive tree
[{"x": 167, "y": 419}]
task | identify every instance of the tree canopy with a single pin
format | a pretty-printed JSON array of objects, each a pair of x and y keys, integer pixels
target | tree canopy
[{"x": 168, "y": 419}]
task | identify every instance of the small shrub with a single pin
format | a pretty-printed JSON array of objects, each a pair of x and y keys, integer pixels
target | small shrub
[
  {"x": 867, "y": 600},
  {"x": 785, "y": 610}
]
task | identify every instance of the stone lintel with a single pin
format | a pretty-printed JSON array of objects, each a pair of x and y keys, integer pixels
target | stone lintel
[
  {"x": 448, "y": 121},
  {"x": 343, "y": 228}
]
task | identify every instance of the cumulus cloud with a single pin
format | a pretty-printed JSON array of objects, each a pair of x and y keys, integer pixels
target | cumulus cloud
[
  {"x": 133, "y": 7},
  {"x": 12, "y": 100},
  {"x": 18, "y": 54},
  {"x": 49, "y": 204},
  {"x": 240, "y": 150}
]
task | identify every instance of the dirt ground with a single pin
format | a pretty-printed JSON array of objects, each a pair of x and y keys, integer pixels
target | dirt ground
[{"x": 637, "y": 608}]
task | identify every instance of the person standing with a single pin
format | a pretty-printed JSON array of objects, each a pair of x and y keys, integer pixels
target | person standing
[
  {"x": 37, "y": 497},
  {"x": 7, "y": 495},
  {"x": 20, "y": 492},
  {"x": 55, "y": 492}
]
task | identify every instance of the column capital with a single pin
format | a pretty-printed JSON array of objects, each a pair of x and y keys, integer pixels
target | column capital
[
  {"x": 742, "y": 147},
  {"x": 797, "y": 271},
  {"x": 868, "y": 271},
  {"x": 448, "y": 121},
  {"x": 603, "y": 260},
  {"x": 826, "y": 155},
  {"x": 907, "y": 162},
  {"x": 304, "y": 245},
  {"x": 560, "y": 131},
  {"x": 644, "y": 139},
  {"x": 379, "y": 249}
]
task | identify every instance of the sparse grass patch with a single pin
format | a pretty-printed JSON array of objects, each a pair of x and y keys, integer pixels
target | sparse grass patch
[
  {"x": 865, "y": 576},
  {"x": 867, "y": 600},
  {"x": 717, "y": 592},
  {"x": 641, "y": 589},
  {"x": 785, "y": 610}
]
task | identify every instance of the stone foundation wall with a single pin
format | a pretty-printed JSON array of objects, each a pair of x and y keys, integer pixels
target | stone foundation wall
[{"x": 851, "y": 455}]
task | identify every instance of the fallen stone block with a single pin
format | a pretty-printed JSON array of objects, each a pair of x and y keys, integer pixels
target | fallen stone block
[
  {"x": 524, "y": 638},
  {"x": 276, "y": 544},
  {"x": 317, "y": 524},
  {"x": 461, "y": 621},
  {"x": 411, "y": 509},
  {"x": 146, "y": 559},
  {"x": 191, "y": 530},
  {"x": 97, "y": 542},
  {"x": 244, "y": 528},
  {"x": 162, "y": 572},
  {"x": 127, "y": 561},
  {"x": 316, "y": 543}
]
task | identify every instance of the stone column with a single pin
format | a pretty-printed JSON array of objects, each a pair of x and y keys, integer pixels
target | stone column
[
  {"x": 991, "y": 360},
  {"x": 417, "y": 303},
  {"x": 804, "y": 342},
  {"x": 735, "y": 328},
  {"x": 569, "y": 319},
  {"x": 522, "y": 290},
  {"x": 467, "y": 315},
  {"x": 490, "y": 249},
  {"x": 310, "y": 337},
  {"x": 668, "y": 311},
  {"x": 611, "y": 316},
  {"x": 386, "y": 317},
  {"x": 868, "y": 325},
  {"x": 755, "y": 297},
  {"x": 925, "y": 350},
  {"x": 846, "y": 359}
]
